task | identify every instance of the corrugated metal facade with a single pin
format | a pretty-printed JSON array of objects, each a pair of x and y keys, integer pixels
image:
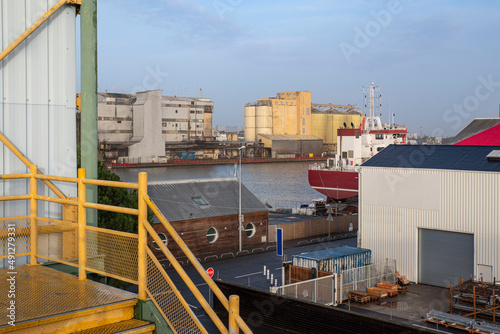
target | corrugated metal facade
[
  {"x": 468, "y": 202},
  {"x": 38, "y": 97}
]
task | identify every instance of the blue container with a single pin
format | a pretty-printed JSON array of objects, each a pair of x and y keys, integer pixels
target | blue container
[{"x": 334, "y": 260}]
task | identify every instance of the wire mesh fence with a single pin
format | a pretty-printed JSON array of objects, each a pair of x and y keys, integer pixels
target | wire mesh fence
[{"x": 362, "y": 278}]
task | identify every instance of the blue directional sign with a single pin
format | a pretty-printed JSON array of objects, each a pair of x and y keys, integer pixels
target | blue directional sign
[{"x": 279, "y": 241}]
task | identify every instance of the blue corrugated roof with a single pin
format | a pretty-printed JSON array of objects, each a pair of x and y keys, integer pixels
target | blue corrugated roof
[
  {"x": 332, "y": 253},
  {"x": 471, "y": 158}
]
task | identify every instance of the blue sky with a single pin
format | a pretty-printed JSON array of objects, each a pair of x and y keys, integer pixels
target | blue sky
[{"x": 437, "y": 62}]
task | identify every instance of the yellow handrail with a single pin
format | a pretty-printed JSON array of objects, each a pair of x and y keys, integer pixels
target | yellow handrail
[
  {"x": 28, "y": 164},
  {"x": 14, "y": 198},
  {"x": 187, "y": 280},
  {"x": 35, "y": 26},
  {"x": 15, "y": 176},
  {"x": 116, "y": 184},
  {"x": 112, "y": 208},
  {"x": 236, "y": 322},
  {"x": 224, "y": 301}
]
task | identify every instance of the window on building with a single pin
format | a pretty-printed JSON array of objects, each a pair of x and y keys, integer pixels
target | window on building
[
  {"x": 250, "y": 230},
  {"x": 200, "y": 201},
  {"x": 176, "y": 111},
  {"x": 281, "y": 102},
  {"x": 176, "y": 124},
  {"x": 163, "y": 238},
  {"x": 164, "y": 124},
  {"x": 303, "y": 121},
  {"x": 357, "y": 134},
  {"x": 379, "y": 136},
  {"x": 212, "y": 235},
  {"x": 344, "y": 155},
  {"x": 192, "y": 103},
  {"x": 286, "y": 103},
  {"x": 275, "y": 102},
  {"x": 308, "y": 110},
  {"x": 350, "y": 154},
  {"x": 291, "y": 103},
  {"x": 379, "y": 149},
  {"x": 303, "y": 130}
]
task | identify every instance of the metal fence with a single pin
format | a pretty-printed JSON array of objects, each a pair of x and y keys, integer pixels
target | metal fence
[
  {"x": 315, "y": 227},
  {"x": 362, "y": 278},
  {"x": 323, "y": 290}
]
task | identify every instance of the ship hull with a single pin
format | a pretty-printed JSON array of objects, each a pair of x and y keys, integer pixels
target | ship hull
[{"x": 337, "y": 185}]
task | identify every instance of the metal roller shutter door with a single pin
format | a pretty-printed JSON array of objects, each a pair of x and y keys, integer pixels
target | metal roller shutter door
[{"x": 444, "y": 257}]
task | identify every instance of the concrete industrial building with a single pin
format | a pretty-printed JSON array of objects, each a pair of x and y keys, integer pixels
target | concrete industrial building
[
  {"x": 435, "y": 209},
  {"x": 137, "y": 126},
  {"x": 291, "y": 114}
]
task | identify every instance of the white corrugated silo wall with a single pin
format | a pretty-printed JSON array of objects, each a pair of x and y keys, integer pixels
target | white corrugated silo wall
[
  {"x": 250, "y": 134},
  {"x": 38, "y": 98},
  {"x": 395, "y": 203}
]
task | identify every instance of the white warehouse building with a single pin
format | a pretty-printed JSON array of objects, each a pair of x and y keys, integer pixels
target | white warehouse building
[{"x": 435, "y": 209}]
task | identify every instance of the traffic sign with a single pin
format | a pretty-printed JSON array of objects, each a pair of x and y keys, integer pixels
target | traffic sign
[
  {"x": 279, "y": 241},
  {"x": 210, "y": 272}
]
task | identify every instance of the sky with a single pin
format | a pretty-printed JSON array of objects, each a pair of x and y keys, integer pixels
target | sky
[{"x": 436, "y": 62}]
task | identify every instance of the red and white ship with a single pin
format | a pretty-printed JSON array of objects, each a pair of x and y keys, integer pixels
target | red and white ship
[{"x": 338, "y": 177}]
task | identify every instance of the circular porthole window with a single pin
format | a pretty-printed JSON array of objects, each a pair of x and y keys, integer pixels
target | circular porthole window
[
  {"x": 212, "y": 235},
  {"x": 163, "y": 238},
  {"x": 250, "y": 230}
]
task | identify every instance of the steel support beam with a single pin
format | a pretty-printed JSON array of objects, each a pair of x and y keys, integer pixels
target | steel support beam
[{"x": 88, "y": 140}]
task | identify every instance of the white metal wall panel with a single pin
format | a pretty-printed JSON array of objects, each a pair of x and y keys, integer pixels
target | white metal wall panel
[
  {"x": 37, "y": 98},
  {"x": 468, "y": 203}
]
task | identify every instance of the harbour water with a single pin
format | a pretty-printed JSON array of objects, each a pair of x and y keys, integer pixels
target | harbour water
[{"x": 280, "y": 184}]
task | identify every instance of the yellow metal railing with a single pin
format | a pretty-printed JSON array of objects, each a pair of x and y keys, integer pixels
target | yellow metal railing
[{"x": 120, "y": 255}]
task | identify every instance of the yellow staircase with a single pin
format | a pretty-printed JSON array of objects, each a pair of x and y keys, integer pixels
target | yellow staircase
[{"x": 49, "y": 301}]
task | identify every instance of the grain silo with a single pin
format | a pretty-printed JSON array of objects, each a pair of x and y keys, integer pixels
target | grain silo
[
  {"x": 263, "y": 120},
  {"x": 250, "y": 134}
]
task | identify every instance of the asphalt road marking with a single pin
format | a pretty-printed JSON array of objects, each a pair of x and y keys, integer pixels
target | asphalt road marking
[{"x": 257, "y": 273}]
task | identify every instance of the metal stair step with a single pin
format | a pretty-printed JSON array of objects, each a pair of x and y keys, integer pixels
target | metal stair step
[{"x": 129, "y": 326}]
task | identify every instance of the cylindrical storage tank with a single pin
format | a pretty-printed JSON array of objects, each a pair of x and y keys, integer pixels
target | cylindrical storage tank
[
  {"x": 250, "y": 124},
  {"x": 264, "y": 120},
  {"x": 319, "y": 125},
  {"x": 334, "y": 260}
]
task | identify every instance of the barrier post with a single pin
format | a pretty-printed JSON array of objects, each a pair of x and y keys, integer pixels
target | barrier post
[
  {"x": 234, "y": 312},
  {"x": 33, "y": 215},
  {"x": 82, "y": 223},
  {"x": 142, "y": 219}
]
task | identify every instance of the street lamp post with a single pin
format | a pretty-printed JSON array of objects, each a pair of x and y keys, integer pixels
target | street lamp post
[{"x": 240, "y": 216}]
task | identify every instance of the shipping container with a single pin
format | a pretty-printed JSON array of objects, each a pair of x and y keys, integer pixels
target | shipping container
[{"x": 334, "y": 260}]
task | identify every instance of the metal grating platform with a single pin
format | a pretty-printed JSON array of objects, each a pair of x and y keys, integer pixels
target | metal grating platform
[{"x": 42, "y": 292}]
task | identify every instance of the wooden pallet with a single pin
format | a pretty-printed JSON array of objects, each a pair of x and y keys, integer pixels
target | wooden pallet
[
  {"x": 382, "y": 293},
  {"x": 391, "y": 288},
  {"x": 359, "y": 297}
]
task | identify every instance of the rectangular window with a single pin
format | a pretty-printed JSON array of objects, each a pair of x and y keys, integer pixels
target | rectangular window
[
  {"x": 379, "y": 136},
  {"x": 286, "y": 103},
  {"x": 357, "y": 134},
  {"x": 303, "y": 121},
  {"x": 199, "y": 200},
  {"x": 308, "y": 110},
  {"x": 303, "y": 130},
  {"x": 344, "y": 155},
  {"x": 176, "y": 111},
  {"x": 350, "y": 154}
]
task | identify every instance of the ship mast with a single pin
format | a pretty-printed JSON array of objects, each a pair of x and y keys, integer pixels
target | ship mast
[{"x": 372, "y": 106}]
